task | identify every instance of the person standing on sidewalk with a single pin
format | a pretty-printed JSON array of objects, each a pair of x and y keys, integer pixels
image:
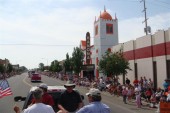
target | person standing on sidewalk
[
  {"x": 95, "y": 105},
  {"x": 138, "y": 97},
  {"x": 124, "y": 94},
  {"x": 127, "y": 81}
]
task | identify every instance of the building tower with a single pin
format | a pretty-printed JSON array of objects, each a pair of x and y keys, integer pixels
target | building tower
[{"x": 105, "y": 36}]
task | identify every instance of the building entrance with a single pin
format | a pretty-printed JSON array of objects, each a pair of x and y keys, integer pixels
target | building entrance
[{"x": 88, "y": 71}]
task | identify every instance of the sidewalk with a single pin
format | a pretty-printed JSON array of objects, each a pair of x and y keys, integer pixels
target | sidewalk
[{"x": 145, "y": 108}]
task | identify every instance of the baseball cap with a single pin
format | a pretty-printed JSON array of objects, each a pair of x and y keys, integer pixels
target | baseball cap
[
  {"x": 93, "y": 92},
  {"x": 43, "y": 86}
]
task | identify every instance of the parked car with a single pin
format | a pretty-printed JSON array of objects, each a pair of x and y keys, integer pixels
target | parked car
[
  {"x": 35, "y": 77},
  {"x": 54, "y": 91}
]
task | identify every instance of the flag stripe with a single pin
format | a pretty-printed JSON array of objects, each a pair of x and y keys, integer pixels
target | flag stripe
[{"x": 5, "y": 90}]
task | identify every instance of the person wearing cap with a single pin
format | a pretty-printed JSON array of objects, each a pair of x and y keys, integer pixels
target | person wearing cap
[
  {"x": 70, "y": 100},
  {"x": 38, "y": 107},
  {"x": 95, "y": 105},
  {"x": 46, "y": 98}
]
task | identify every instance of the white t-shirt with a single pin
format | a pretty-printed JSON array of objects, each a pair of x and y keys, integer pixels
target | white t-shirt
[{"x": 39, "y": 108}]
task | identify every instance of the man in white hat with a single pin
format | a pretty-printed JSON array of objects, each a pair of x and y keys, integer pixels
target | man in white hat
[
  {"x": 95, "y": 105},
  {"x": 70, "y": 100}
]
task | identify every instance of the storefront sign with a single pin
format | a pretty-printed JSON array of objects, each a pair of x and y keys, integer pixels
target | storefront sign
[
  {"x": 88, "y": 67},
  {"x": 88, "y": 48}
]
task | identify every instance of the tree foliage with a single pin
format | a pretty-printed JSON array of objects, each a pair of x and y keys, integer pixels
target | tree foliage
[
  {"x": 77, "y": 60},
  {"x": 67, "y": 64},
  {"x": 9, "y": 68},
  {"x": 113, "y": 64},
  {"x": 23, "y": 68},
  {"x": 55, "y": 66},
  {"x": 2, "y": 68},
  {"x": 41, "y": 66}
]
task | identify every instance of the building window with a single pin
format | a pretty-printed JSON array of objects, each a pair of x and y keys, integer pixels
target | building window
[
  {"x": 109, "y": 28},
  {"x": 136, "y": 70},
  {"x": 168, "y": 68},
  {"x": 96, "y": 30}
]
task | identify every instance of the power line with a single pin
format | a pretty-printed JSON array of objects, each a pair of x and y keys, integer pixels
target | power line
[
  {"x": 43, "y": 45},
  {"x": 34, "y": 45},
  {"x": 124, "y": 0}
]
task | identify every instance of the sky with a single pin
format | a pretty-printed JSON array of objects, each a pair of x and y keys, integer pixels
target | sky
[{"x": 41, "y": 31}]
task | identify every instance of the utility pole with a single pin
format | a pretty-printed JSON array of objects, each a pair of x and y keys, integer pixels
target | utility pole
[{"x": 147, "y": 28}]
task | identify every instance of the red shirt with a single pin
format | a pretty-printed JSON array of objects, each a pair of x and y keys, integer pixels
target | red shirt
[
  {"x": 148, "y": 93},
  {"x": 46, "y": 99},
  {"x": 135, "y": 81}
]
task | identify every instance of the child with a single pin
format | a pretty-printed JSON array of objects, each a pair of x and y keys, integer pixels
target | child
[
  {"x": 124, "y": 94},
  {"x": 138, "y": 98},
  {"x": 153, "y": 101},
  {"x": 129, "y": 94}
]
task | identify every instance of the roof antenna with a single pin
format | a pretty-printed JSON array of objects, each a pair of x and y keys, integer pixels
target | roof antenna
[
  {"x": 100, "y": 13},
  {"x": 115, "y": 17},
  {"x": 104, "y": 9}
]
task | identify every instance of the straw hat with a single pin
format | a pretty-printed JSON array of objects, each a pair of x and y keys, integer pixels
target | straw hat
[{"x": 69, "y": 84}]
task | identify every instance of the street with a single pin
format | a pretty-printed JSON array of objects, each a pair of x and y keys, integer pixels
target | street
[{"x": 20, "y": 85}]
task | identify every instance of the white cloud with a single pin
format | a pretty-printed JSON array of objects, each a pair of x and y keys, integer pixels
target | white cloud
[{"x": 59, "y": 28}]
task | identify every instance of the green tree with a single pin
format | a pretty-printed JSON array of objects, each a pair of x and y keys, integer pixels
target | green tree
[
  {"x": 41, "y": 66},
  {"x": 67, "y": 64},
  {"x": 113, "y": 64},
  {"x": 23, "y": 68},
  {"x": 77, "y": 60},
  {"x": 55, "y": 66},
  {"x": 9, "y": 68},
  {"x": 2, "y": 68}
]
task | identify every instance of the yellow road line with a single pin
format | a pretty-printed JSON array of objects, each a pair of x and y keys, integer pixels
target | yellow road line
[{"x": 26, "y": 82}]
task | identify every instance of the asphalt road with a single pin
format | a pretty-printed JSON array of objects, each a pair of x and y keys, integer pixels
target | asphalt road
[{"x": 20, "y": 85}]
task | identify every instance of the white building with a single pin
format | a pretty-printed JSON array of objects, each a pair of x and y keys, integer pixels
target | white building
[{"x": 105, "y": 36}]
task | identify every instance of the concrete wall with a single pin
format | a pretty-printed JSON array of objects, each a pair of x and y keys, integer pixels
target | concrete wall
[{"x": 129, "y": 46}]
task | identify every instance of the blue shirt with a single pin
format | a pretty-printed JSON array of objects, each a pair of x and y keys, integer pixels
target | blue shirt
[
  {"x": 95, "y": 107},
  {"x": 165, "y": 85}
]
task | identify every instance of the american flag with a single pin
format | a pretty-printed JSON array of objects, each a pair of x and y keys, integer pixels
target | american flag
[{"x": 5, "y": 90}]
